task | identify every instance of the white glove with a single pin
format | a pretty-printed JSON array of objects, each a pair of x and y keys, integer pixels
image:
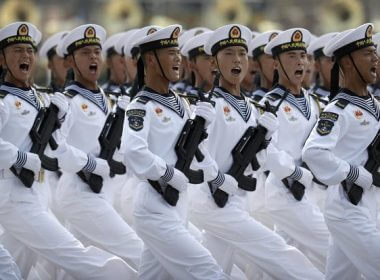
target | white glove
[
  {"x": 175, "y": 178},
  {"x": 59, "y": 100},
  {"x": 364, "y": 179},
  {"x": 270, "y": 122},
  {"x": 206, "y": 111},
  {"x": 33, "y": 163},
  {"x": 102, "y": 168},
  {"x": 123, "y": 102},
  {"x": 230, "y": 185}
]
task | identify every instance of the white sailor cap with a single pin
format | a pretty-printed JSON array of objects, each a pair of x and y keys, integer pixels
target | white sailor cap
[
  {"x": 161, "y": 38},
  {"x": 227, "y": 36},
  {"x": 288, "y": 40},
  {"x": 376, "y": 41},
  {"x": 316, "y": 46},
  {"x": 257, "y": 45},
  {"x": 19, "y": 33},
  {"x": 82, "y": 36},
  {"x": 349, "y": 41},
  {"x": 130, "y": 48},
  {"x": 48, "y": 49},
  {"x": 119, "y": 46},
  {"x": 255, "y": 34},
  {"x": 108, "y": 47},
  {"x": 188, "y": 34},
  {"x": 195, "y": 46}
]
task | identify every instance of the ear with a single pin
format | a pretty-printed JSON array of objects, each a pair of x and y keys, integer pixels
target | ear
[
  {"x": 276, "y": 63},
  {"x": 317, "y": 65},
  {"x": 109, "y": 62},
  {"x": 69, "y": 61},
  {"x": 50, "y": 64},
  {"x": 255, "y": 64},
  {"x": 192, "y": 65}
]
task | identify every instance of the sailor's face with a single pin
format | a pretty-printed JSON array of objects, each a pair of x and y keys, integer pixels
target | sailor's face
[
  {"x": 233, "y": 64},
  {"x": 309, "y": 73},
  {"x": 205, "y": 68},
  {"x": 266, "y": 66},
  {"x": 324, "y": 65},
  {"x": 58, "y": 67},
  {"x": 20, "y": 61},
  {"x": 294, "y": 63},
  {"x": 366, "y": 61},
  {"x": 252, "y": 70},
  {"x": 117, "y": 64},
  {"x": 88, "y": 60},
  {"x": 170, "y": 59}
]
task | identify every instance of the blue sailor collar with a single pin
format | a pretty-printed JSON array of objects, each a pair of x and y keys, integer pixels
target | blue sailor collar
[
  {"x": 95, "y": 96},
  {"x": 243, "y": 108},
  {"x": 27, "y": 94}
]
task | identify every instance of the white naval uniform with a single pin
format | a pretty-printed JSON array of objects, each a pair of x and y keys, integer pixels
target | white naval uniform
[
  {"x": 25, "y": 216},
  {"x": 232, "y": 225},
  {"x": 339, "y": 140},
  {"x": 302, "y": 220},
  {"x": 171, "y": 252},
  {"x": 91, "y": 217}
]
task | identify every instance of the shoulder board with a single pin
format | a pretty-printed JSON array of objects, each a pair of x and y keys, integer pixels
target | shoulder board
[
  {"x": 142, "y": 99},
  {"x": 257, "y": 98},
  {"x": 342, "y": 103},
  {"x": 273, "y": 96},
  {"x": 70, "y": 93},
  {"x": 3, "y": 93}
]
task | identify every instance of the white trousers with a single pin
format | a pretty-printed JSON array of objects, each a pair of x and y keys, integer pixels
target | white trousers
[
  {"x": 24, "y": 219},
  {"x": 94, "y": 221},
  {"x": 242, "y": 233},
  {"x": 171, "y": 252}
]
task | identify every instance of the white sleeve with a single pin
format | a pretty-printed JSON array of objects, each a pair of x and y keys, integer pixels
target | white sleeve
[
  {"x": 137, "y": 156},
  {"x": 8, "y": 151},
  {"x": 70, "y": 159},
  {"x": 317, "y": 152}
]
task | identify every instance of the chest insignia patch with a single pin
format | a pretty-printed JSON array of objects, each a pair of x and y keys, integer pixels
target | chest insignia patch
[
  {"x": 18, "y": 104},
  {"x": 136, "y": 119},
  {"x": 358, "y": 114},
  {"x": 158, "y": 111},
  {"x": 226, "y": 110},
  {"x": 287, "y": 109},
  {"x": 84, "y": 107}
]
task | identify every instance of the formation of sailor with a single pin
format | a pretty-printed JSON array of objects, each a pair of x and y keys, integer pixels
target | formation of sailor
[{"x": 206, "y": 154}]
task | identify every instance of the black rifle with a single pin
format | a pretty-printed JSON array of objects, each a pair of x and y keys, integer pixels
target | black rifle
[
  {"x": 192, "y": 134},
  {"x": 44, "y": 125},
  {"x": 243, "y": 154},
  {"x": 109, "y": 139},
  {"x": 355, "y": 192}
]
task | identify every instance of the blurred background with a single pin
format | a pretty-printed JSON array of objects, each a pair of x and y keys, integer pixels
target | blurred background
[{"x": 319, "y": 16}]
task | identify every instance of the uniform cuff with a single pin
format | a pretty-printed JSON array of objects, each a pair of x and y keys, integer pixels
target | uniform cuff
[
  {"x": 90, "y": 165},
  {"x": 21, "y": 159},
  {"x": 353, "y": 174},
  {"x": 168, "y": 173},
  {"x": 217, "y": 182},
  {"x": 297, "y": 174}
]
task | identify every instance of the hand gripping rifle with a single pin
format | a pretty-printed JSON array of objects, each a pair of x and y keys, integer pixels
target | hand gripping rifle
[
  {"x": 355, "y": 192},
  {"x": 192, "y": 134},
  {"x": 44, "y": 125},
  {"x": 109, "y": 139},
  {"x": 243, "y": 154}
]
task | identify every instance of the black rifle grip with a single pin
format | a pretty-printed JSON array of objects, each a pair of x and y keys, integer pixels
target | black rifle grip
[
  {"x": 95, "y": 182},
  {"x": 194, "y": 176},
  {"x": 171, "y": 195},
  {"x": 247, "y": 183},
  {"x": 27, "y": 177},
  {"x": 296, "y": 188},
  {"x": 354, "y": 194},
  {"x": 220, "y": 197}
]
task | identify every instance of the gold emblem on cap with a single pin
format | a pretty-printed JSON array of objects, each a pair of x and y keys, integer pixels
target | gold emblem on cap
[
  {"x": 297, "y": 36},
  {"x": 23, "y": 30},
  {"x": 368, "y": 32},
  {"x": 151, "y": 30},
  {"x": 90, "y": 32},
  {"x": 235, "y": 32},
  {"x": 271, "y": 37},
  {"x": 175, "y": 33}
]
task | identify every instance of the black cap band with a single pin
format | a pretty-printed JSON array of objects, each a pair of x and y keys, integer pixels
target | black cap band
[
  {"x": 17, "y": 39},
  {"x": 318, "y": 53},
  {"x": 51, "y": 53},
  {"x": 196, "y": 51},
  {"x": 258, "y": 51},
  {"x": 110, "y": 52},
  {"x": 230, "y": 42},
  {"x": 354, "y": 46},
  {"x": 84, "y": 42},
  {"x": 159, "y": 44},
  {"x": 291, "y": 46}
]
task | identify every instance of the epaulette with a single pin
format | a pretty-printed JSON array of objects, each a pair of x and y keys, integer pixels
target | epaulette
[
  {"x": 142, "y": 99},
  {"x": 3, "y": 93},
  {"x": 70, "y": 93},
  {"x": 342, "y": 103},
  {"x": 273, "y": 96}
]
